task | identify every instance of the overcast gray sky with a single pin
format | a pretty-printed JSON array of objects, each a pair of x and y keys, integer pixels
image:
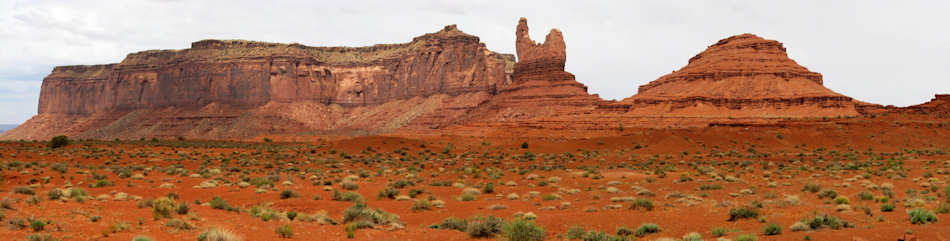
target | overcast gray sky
[{"x": 886, "y": 52}]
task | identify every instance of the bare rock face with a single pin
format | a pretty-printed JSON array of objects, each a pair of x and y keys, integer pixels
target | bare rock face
[
  {"x": 236, "y": 88},
  {"x": 740, "y": 76},
  {"x": 940, "y": 105},
  {"x": 540, "y": 87}
]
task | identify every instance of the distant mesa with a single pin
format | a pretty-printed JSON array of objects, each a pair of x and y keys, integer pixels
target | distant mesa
[
  {"x": 446, "y": 81},
  {"x": 741, "y": 76}
]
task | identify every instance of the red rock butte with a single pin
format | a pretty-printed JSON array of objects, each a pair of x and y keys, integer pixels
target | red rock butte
[{"x": 446, "y": 81}]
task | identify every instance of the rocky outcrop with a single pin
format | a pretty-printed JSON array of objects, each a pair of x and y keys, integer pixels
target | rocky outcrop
[
  {"x": 740, "y": 76},
  {"x": 939, "y": 105},
  {"x": 540, "y": 87},
  {"x": 239, "y": 79}
]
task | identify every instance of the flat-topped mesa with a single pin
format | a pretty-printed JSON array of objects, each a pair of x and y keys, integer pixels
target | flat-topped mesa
[{"x": 743, "y": 75}]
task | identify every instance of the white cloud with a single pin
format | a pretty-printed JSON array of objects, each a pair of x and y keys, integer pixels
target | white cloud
[{"x": 887, "y": 52}]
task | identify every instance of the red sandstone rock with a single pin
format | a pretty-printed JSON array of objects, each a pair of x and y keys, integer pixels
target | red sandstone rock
[{"x": 740, "y": 76}]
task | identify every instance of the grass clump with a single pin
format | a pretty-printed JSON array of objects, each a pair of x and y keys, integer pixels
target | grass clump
[
  {"x": 58, "y": 141},
  {"x": 642, "y": 203},
  {"x": 646, "y": 229},
  {"x": 287, "y": 194},
  {"x": 285, "y": 231},
  {"x": 484, "y": 227},
  {"x": 820, "y": 220},
  {"x": 522, "y": 230},
  {"x": 772, "y": 229},
  {"x": 359, "y": 212},
  {"x": 921, "y": 216},
  {"x": 215, "y": 234},
  {"x": 744, "y": 212},
  {"x": 163, "y": 207}
]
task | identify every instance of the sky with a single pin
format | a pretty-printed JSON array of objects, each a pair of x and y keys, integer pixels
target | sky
[{"x": 885, "y": 52}]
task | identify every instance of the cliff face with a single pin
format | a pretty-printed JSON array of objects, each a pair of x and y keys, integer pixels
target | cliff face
[
  {"x": 251, "y": 74},
  {"x": 445, "y": 81},
  {"x": 740, "y": 76}
]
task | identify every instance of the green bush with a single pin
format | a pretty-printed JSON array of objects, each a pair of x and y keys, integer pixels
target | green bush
[
  {"x": 921, "y": 216},
  {"x": 865, "y": 196},
  {"x": 946, "y": 192},
  {"x": 719, "y": 231},
  {"x": 772, "y": 229},
  {"x": 451, "y": 223},
  {"x": 646, "y": 229},
  {"x": 58, "y": 141},
  {"x": 942, "y": 208},
  {"x": 747, "y": 237},
  {"x": 522, "y": 230},
  {"x": 488, "y": 188},
  {"x": 742, "y": 212},
  {"x": 286, "y": 194},
  {"x": 41, "y": 237},
  {"x": 642, "y": 203},
  {"x": 484, "y": 227},
  {"x": 598, "y": 236},
  {"x": 575, "y": 232},
  {"x": 828, "y": 193},
  {"x": 141, "y": 238},
  {"x": 347, "y": 196},
  {"x": 163, "y": 207},
  {"x": 37, "y": 225},
  {"x": 219, "y": 203},
  {"x": 359, "y": 212},
  {"x": 24, "y": 190},
  {"x": 291, "y": 215},
  {"x": 390, "y": 193},
  {"x": 285, "y": 231},
  {"x": 182, "y": 208},
  {"x": 820, "y": 220},
  {"x": 887, "y": 207}
]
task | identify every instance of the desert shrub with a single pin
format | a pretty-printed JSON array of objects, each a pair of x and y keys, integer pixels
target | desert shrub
[
  {"x": 219, "y": 203},
  {"x": 37, "y": 225},
  {"x": 524, "y": 145},
  {"x": 141, "y": 238},
  {"x": 706, "y": 187},
  {"x": 642, "y": 203},
  {"x": 182, "y": 208},
  {"x": 484, "y": 227},
  {"x": 946, "y": 192},
  {"x": 598, "y": 236},
  {"x": 719, "y": 231},
  {"x": 811, "y": 187},
  {"x": 693, "y": 236},
  {"x": 522, "y": 230},
  {"x": 347, "y": 196},
  {"x": 921, "y": 216},
  {"x": 179, "y": 224},
  {"x": 350, "y": 185},
  {"x": 285, "y": 231},
  {"x": 359, "y": 212},
  {"x": 820, "y": 220},
  {"x": 742, "y": 212},
  {"x": 465, "y": 197},
  {"x": 865, "y": 196},
  {"x": 488, "y": 188},
  {"x": 828, "y": 193},
  {"x": 451, "y": 223},
  {"x": 286, "y": 194},
  {"x": 887, "y": 207},
  {"x": 291, "y": 215},
  {"x": 942, "y": 208},
  {"x": 772, "y": 229},
  {"x": 575, "y": 232},
  {"x": 24, "y": 190},
  {"x": 163, "y": 207},
  {"x": 646, "y": 229},
  {"x": 77, "y": 193},
  {"x": 390, "y": 193},
  {"x": 58, "y": 141},
  {"x": 624, "y": 231},
  {"x": 747, "y": 237},
  {"x": 41, "y": 237},
  {"x": 101, "y": 183},
  {"x": 59, "y": 167},
  {"x": 421, "y": 204},
  {"x": 215, "y": 234},
  {"x": 842, "y": 200},
  {"x": 54, "y": 194}
]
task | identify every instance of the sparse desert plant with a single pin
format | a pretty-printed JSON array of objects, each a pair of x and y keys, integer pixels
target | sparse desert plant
[
  {"x": 747, "y": 237},
  {"x": 646, "y": 229},
  {"x": 575, "y": 232},
  {"x": 484, "y": 227},
  {"x": 219, "y": 203},
  {"x": 420, "y": 205},
  {"x": 820, "y": 220},
  {"x": 58, "y": 141},
  {"x": 41, "y": 237},
  {"x": 942, "y": 208},
  {"x": 887, "y": 207},
  {"x": 828, "y": 193},
  {"x": 285, "y": 231},
  {"x": 24, "y": 190},
  {"x": 743, "y": 212},
  {"x": 141, "y": 238},
  {"x": 719, "y": 231},
  {"x": 163, "y": 207},
  {"x": 522, "y": 230},
  {"x": 642, "y": 203},
  {"x": 921, "y": 216},
  {"x": 693, "y": 236},
  {"x": 286, "y": 194},
  {"x": 772, "y": 229},
  {"x": 347, "y": 196},
  {"x": 451, "y": 223},
  {"x": 811, "y": 187}
]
